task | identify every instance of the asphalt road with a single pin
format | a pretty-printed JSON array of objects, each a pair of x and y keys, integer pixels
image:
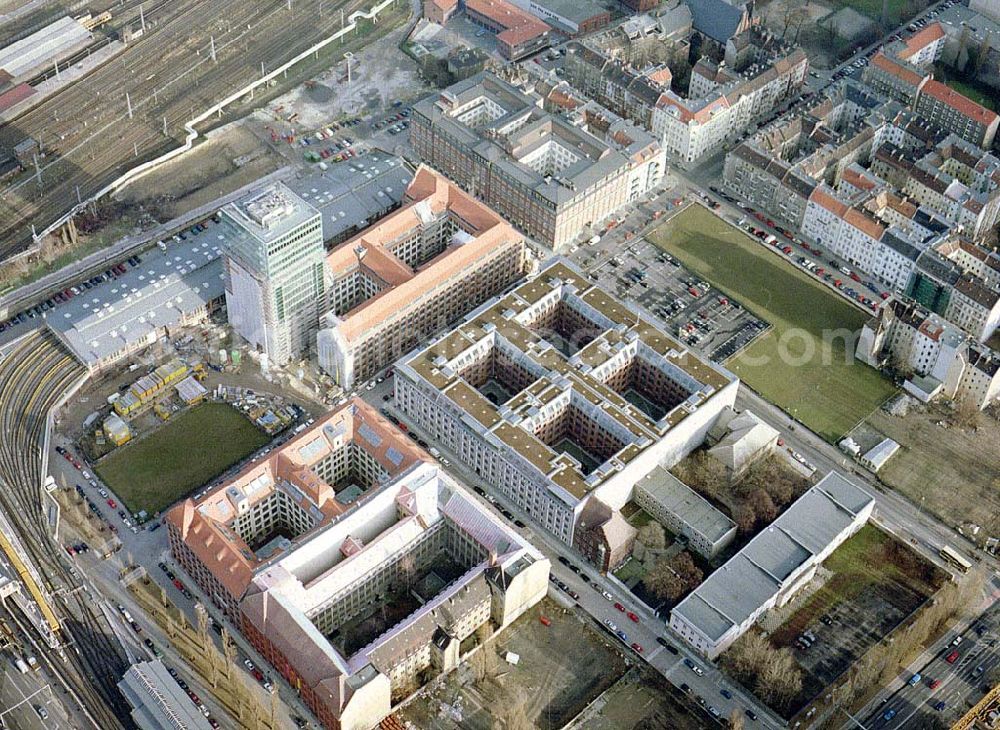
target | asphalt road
[{"x": 961, "y": 682}]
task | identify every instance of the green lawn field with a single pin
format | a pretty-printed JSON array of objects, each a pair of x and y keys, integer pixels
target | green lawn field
[
  {"x": 180, "y": 456},
  {"x": 805, "y": 364}
]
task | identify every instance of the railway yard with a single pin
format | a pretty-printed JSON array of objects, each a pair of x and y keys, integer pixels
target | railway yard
[
  {"x": 159, "y": 474},
  {"x": 192, "y": 54},
  {"x": 35, "y": 374}
]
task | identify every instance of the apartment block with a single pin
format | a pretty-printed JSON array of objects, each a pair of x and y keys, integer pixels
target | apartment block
[
  {"x": 553, "y": 179},
  {"x": 885, "y": 251},
  {"x": 958, "y": 114},
  {"x": 922, "y": 48},
  {"x": 400, "y": 281},
  {"x": 895, "y": 78},
  {"x": 558, "y": 395},
  {"x": 724, "y": 100},
  {"x": 939, "y": 359},
  {"x": 773, "y": 566},
  {"x": 304, "y": 547},
  {"x": 273, "y": 253}
]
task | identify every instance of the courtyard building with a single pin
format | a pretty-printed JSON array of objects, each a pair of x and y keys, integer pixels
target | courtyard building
[
  {"x": 355, "y": 566},
  {"x": 552, "y": 179},
  {"x": 559, "y": 395},
  {"x": 411, "y": 274}
]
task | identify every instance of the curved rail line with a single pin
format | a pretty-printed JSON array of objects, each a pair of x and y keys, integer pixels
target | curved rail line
[{"x": 34, "y": 376}]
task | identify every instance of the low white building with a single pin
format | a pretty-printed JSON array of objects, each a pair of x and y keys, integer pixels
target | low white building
[
  {"x": 773, "y": 566},
  {"x": 877, "y": 457},
  {"x": 683, "y": 511}
]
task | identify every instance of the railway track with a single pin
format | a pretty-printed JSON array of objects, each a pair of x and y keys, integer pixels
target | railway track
[
  {"x": 169, "y": 73},
  {"x": 33, "y": 378}
]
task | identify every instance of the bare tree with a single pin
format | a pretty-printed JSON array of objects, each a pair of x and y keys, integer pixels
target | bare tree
[
  {"x": 737, "y": 720},
  {"x": 763, "y": 506},
  {"x": 652, "y": 536},
  {"x": 671, "y": 578},
  {"x": 967, "y": 415},
  {"x": 663, "y": 582},
  {"x": 772, "y": 673},
  {"x": 745, "y": 519}
]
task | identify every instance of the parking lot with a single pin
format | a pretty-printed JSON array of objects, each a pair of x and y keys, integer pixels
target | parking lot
[{"x": 691, "y": 309}]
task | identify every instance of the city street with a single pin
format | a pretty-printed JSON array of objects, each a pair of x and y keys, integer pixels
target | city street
[{"x": 958, "y": 684}]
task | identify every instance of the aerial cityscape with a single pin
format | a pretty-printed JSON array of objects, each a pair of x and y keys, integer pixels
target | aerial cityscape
[{"x": 500, "y": 364}]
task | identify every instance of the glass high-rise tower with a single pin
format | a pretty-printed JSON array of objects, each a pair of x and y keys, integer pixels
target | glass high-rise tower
[{"x": 274, "y": 262}]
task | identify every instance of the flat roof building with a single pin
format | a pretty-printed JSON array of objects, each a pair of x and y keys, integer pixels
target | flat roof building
[
  {"x": 557, "y": 394},
  {"x": 684, "y": 512},
  {"x": 411, "y": 274},
  {"x": 519, "y": 33},
  {"x": 24, "y": 58},
  {"x": 157, "y": 701},
  {"x": 304, "y": 548},
  {"x": 274, "y": 254},
  {"x": 169, "y": 289},
  {"x": 775, "y": 564},
  {"x": 552, "y": 179},
  {"x": 352, "y": 194}
]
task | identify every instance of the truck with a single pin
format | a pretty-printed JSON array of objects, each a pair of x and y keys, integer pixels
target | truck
[{"x": 33, "y": 663}]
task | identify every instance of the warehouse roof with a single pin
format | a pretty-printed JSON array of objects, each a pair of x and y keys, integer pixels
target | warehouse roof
[
  {"x": 753, "y": 576},
  {"x": 157, "y": 700},
  {"x": 351, "y": 194},
  {"x": 161, "y": 291},
  {"x": 51, "y": 43}
]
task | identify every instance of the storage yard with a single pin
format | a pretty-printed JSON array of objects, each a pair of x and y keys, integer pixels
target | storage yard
[{"x": 192, "y": 54}]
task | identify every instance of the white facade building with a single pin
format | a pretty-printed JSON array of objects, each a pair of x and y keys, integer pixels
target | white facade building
[
  {"x": 551, "y": 426},
  {"x": 772, "y": 567}
]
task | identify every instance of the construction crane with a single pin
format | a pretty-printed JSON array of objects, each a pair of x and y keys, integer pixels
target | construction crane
[{"x": 990, "y": 701}]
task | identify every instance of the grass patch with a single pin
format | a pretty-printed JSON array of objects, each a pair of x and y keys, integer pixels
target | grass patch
[
  {"x": 873, "y": 9},
  {"x": 814, "y": 378},
  {"x": 180, "y": 456},
  {"x": 632, "y": 570},
  {"x": 870, "y": 558}
]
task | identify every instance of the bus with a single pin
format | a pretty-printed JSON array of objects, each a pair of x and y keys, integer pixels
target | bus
[{"x": 951, "y": 556}]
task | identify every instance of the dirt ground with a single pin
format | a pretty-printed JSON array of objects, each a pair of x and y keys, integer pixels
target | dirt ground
[
  {"x": 380, "y": 74},
  {"x": 205, "y": 173},
  {"x": 950, "y": 472},
  {"x": 641, "y": 700},
  {"x": 562, "y": 668}
]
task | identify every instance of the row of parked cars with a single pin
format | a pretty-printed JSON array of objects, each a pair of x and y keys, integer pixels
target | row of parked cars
[{"x": 66, "y": 294}]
